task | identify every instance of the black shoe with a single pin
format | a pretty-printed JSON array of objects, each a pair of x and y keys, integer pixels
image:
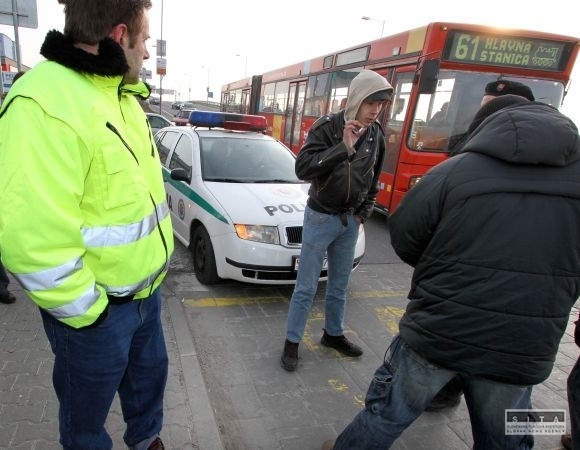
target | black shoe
[
  {"x": 448, "y": 397},
  {"x": 342, "y": 344},
  {"x": 289, "y": 360},
  {"x": 7, "y": 298},
  {"x": 156, "y": 444},
  {"x": 567, "y": 441},
  {"x": 437, "y": 404}
]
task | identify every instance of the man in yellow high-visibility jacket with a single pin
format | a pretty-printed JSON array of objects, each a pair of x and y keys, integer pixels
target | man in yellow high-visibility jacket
[{"x": 84, "y": 226}]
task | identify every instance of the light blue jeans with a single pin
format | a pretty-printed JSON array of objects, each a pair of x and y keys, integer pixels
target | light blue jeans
[
  {"x": 323, "y": 235},
  {"x": 406, "y": 383}
]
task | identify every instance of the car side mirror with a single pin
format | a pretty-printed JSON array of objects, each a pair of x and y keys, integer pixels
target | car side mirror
[{"x": 181, "y": 174}]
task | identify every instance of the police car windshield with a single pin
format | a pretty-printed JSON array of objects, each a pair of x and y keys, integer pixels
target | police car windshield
[{"x": 245, "y": 159}]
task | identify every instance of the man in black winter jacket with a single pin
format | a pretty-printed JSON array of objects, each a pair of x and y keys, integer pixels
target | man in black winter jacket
[{"x": 494, "y": 239}]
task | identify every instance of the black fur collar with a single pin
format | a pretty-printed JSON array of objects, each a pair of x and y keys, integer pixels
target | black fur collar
[{"x": 110, "y": 61}]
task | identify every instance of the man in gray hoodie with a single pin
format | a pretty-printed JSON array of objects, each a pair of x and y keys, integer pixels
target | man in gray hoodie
[{"x": 342, "y": 159}]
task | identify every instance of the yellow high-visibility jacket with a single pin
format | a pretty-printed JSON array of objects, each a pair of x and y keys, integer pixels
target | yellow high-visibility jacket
[{"x": 83, "y": 211}]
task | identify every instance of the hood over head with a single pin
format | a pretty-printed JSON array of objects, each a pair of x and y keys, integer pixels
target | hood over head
[{"x": 367, "y": 85}]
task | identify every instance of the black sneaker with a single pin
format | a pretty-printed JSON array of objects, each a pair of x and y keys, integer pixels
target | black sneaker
[
  {"x": 567, "y": 441},
  {"x": 157, "y": 444},
  {"x": 289, "y": 360},
  {"x": 448, "y": 397},
  {"x": 342, "y": 344},
  {"x": 7, "y": 298}
]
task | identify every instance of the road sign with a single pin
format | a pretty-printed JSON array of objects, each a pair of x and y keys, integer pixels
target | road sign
[
  {"x": 7, "y": 78},
  {"x": 161, "y": 47},
  {"x": 26, "y": 13},
  {"x": 145, "y": 74},
  {"x": 161, "y": 66}
]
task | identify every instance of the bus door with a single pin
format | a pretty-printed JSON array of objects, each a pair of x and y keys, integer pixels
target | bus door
[
  {"x": 394, "y": 128},
  {"x": 293, "y": 119},
  {"x": 245, "y": 102}
]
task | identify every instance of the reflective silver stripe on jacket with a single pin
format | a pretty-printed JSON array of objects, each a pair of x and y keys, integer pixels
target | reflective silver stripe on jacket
[
  {"x": 122, "y": 291},
  {"x": 49, "y": 278},
  {"x": 77, "y": 308},
  {"x": 95, "y": 237},
  {"x": 107, "y": 236}
]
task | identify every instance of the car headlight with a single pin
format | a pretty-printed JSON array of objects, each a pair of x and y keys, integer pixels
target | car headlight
[{"x": 258, "y": 233}]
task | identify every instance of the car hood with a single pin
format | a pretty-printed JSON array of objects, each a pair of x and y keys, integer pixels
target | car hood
[{"x": 261, "y": 204}]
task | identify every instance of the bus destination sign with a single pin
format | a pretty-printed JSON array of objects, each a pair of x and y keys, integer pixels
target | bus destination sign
[{"x": 473, "y": 47}]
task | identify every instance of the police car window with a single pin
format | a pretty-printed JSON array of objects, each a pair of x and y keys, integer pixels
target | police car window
[
  {"x": 182, "y": 156},
  {"x": 165, "y": 144}
]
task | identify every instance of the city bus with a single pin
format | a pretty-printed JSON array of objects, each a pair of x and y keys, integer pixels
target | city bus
[{"x": 438, "y": 65}]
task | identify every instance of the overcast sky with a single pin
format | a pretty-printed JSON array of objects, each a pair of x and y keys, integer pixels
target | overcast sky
[{"x": 230, "y": 39}]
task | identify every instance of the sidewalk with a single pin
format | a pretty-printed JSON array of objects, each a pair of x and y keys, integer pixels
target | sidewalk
[
  {"x": 28, "y": 405},
  {"x": 29, "y": 410}
]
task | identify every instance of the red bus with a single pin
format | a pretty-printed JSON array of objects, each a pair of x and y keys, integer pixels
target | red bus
[{"x": 437, "y": 64}]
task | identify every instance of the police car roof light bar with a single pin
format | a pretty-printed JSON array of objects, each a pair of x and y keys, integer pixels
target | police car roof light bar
[{"x": 228, "y": 121}]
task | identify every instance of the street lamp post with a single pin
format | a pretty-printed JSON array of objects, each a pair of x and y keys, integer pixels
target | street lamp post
[
  {"x": 376, "y": 20},
  {"x": 207, "y": 89},
  {"x": 245, "y": 64}
]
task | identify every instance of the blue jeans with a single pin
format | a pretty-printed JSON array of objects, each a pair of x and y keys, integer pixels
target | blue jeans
[
  {"x": 323, "y": 235},
  {"x": 405, "y": 384},
  {"x": 125, "y": 353}
]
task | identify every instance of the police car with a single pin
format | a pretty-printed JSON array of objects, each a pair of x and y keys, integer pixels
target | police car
[{"x": 235, "y": 200}]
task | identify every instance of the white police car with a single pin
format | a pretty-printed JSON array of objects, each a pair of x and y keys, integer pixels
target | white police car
[{"x": 235, "y": 200}]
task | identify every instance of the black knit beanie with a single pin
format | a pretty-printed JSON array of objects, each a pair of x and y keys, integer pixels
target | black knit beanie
[{"x": 493, "y": 106}]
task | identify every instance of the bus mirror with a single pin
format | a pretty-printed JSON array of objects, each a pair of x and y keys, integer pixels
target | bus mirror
[{"x": 429, "y": 76}]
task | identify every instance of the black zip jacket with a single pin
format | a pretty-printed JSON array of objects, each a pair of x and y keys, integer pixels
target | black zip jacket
[
  {"x": 494, "y": 236},
  {"x": 340, "y": 184}
]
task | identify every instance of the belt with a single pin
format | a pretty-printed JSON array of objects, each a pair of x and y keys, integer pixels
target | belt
[
  {"x": 322, "y": 210},
  {"x": 114, "y": 300}
]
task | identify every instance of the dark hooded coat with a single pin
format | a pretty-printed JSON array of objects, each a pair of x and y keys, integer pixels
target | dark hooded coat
[{"x": 494, "y": 236}]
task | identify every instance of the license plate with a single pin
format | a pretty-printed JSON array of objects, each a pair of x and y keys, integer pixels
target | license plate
[{"x": 297, "y": 263}]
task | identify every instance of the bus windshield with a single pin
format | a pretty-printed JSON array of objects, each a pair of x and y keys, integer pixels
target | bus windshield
[{"x": 441, "y": 119}]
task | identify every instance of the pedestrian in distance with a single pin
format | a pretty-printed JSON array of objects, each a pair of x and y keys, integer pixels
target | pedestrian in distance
[
  {"x": 571, "y": 441},
  {"x": 85, "y": 171},
  {"x": 342, "y": 159},
  {"x": 489, "y": 300},
  {"x": 6, "y": 296}
]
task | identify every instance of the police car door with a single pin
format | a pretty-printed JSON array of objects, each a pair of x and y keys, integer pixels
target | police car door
[{"x": 175, "y": 152}]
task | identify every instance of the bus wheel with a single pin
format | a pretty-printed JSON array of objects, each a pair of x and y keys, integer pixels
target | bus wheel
[{"x": 203, "y": 257}]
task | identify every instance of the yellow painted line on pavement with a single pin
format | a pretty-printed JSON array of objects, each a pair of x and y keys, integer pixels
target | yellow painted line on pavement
[
  {"x": 389, "y": 316},
  {"x": 215, "y": 302},
  {"x": 342, "y": 388}
]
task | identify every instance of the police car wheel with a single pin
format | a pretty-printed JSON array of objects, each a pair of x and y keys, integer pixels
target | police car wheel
[{"x": 203, "y": 257}]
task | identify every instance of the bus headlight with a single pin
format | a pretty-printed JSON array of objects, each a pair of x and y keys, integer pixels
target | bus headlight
[{"x": 258, "y": 233}]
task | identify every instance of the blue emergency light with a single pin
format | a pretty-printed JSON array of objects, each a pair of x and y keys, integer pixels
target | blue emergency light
[{"x": 228, "y": 121}]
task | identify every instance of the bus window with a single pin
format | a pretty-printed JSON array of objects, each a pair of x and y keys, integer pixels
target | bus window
[
  {"x": 267, "y": 98},
  {"x": 401, "y": 93},
  {"x": 339, "y": 88},
  {"x": 317, "y": 94},
  {"x": 280, "y": 97}
]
